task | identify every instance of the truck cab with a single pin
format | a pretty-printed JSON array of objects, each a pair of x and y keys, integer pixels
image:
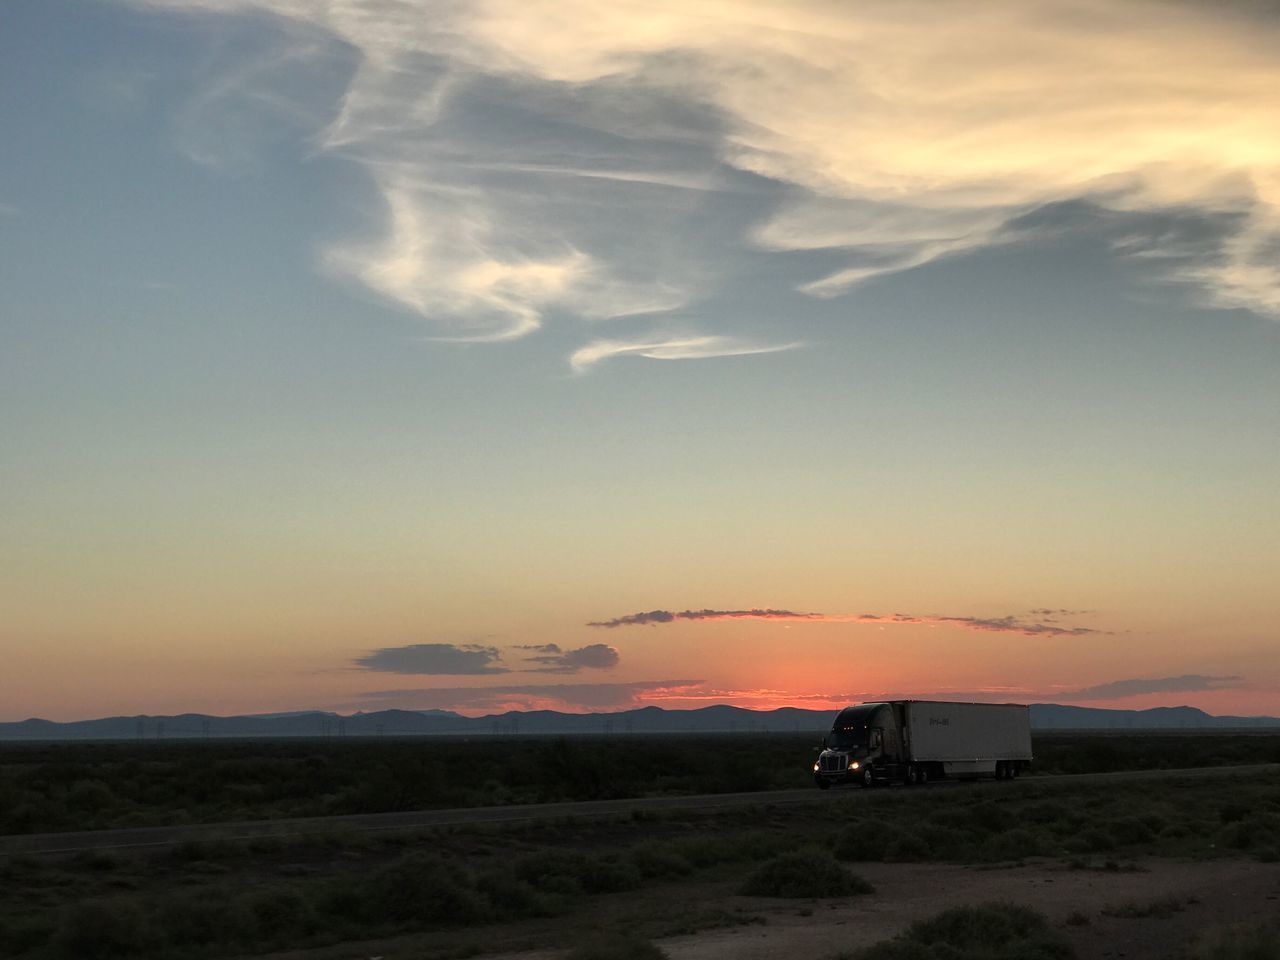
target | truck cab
[{"x": 864, "y": 746}]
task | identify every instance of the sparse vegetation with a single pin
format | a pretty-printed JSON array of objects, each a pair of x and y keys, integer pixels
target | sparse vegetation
[
  {"x": 991, "y": 931},
  {"x": 1242, "y": 942},
  {"x": 804, "y": 873},
  {"x": 617, "y": 947},
  {"x": 1160, "y": 908},
  {"x": 207, "y": 899},
  {"x": 83, "y": 786}
]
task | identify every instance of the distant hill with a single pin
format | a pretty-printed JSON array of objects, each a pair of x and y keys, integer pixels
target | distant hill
[
  {"x": 714, "y": 719},
  {"x": 1054, "y": 716}
]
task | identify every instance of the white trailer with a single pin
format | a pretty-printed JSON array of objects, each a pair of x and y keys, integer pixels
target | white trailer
[{"x": 915, "y": 740}]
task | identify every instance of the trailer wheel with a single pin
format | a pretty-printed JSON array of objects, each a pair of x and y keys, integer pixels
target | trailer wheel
[
  {"x": 1002, "y": 770},
  {"x": 868, "y": 778},
  {"x": 913, "y": 775},
  {"x": 922, "y": 774},
  {"x": 1013, "y": 770}
]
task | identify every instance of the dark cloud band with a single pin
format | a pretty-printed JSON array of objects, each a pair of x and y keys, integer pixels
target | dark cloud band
[
  {"x": 1042, "y": 626},
  {"x": 434, "y": 659}
]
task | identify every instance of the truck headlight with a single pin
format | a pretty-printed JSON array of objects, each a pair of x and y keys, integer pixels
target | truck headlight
[
  {"x": 815, "y": 768},
  {"x": 854, "y": 764}
]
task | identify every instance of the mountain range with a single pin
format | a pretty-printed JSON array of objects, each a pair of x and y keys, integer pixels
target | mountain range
[{"x": 714, "y": 719}]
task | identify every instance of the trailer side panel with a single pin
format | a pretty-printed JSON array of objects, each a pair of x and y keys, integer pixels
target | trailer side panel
[{"x": 939, "y": 731}]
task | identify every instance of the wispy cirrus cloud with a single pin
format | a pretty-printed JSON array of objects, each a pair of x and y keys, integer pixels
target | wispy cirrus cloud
[
  {"x": 1045, "y": 626},
  {"x": 893, "y": 135},
  {"x": 672, "y": 348}
]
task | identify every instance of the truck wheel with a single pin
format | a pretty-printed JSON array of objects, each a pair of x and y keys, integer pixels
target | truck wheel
[{"x": 868, "y": 778}]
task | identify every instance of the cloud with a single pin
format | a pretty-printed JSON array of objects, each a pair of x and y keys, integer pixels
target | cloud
[
  {"x": 666, "y": 616},
  {"x": 895, "y": 134},
  {"x": 674, "y": 348},
  {"x": 434, "y": 659},
  {"x": 552, "y": 659},
  {"x": 571, "y": 696},
  {"x": 1009, "y": 624},
  {"x": 1117, "y": 689}
]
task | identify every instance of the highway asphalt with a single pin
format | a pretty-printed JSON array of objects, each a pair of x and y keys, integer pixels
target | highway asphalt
[{"x": 165, "y": 836}]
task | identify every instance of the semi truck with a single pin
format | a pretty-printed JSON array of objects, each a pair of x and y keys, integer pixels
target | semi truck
[{"x": 914, "y": 741}]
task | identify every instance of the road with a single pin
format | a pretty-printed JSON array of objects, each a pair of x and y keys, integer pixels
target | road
[{"x": 166, "y": 836}]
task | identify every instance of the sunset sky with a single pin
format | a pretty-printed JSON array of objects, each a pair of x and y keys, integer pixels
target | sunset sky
[{"x": 489, "y": 354}]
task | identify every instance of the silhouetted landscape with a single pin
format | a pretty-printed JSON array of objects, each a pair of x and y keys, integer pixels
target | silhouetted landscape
[
  {"x": 715, "y": 719},
  {"x": 685, "y": 872}
]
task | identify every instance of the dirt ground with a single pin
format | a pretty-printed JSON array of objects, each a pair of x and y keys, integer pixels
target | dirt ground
[{"x": 1209, "y": 893}]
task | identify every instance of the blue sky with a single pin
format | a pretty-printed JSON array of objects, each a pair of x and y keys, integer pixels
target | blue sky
[{"x": 328, "y": 330}]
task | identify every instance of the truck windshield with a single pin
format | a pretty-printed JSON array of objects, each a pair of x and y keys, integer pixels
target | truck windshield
[{"x": 848, "y": 738}]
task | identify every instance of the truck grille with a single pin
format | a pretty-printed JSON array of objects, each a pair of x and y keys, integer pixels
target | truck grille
[{"x": 832, "y": 764}]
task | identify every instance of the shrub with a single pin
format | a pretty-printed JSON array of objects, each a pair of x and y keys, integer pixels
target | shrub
[
  {"x": 907, "y": 847},
  {"x": 1093, "y": 840},
  {"x": 1160, "y": 908},
  {"x": 424, "y": 889},
  {"x": 197, "y": 919},
  {"x": 805, "y": 873},
  {"x": 1256, "y": 942},
  {"x": 1014, "y": 845},
  {"x": 103, "y": 929},
  {"x": 281, "y": 911},
  {"x": 867, "y": 840},
  {"x": 1232, "y": 812},
  {"x": 657, "y": 860},
  {"x": 1049, "y": 811},
  {"x": 89, "y": 796},
  {"x": 993, "y": 931},
  {"x": 515, "y": 898},
  {"x": 980, "y": 926},
  {"x": 570, "y": 873},
  {"x": 617, "y": 947},
  {"x": 1130, "y": 830}
]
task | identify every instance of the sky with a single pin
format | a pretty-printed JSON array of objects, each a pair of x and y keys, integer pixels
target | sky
[{"x": 519, "y": 354}]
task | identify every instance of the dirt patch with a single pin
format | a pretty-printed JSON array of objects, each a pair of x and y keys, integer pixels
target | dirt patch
[{"x": 1193, "y": 896}]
